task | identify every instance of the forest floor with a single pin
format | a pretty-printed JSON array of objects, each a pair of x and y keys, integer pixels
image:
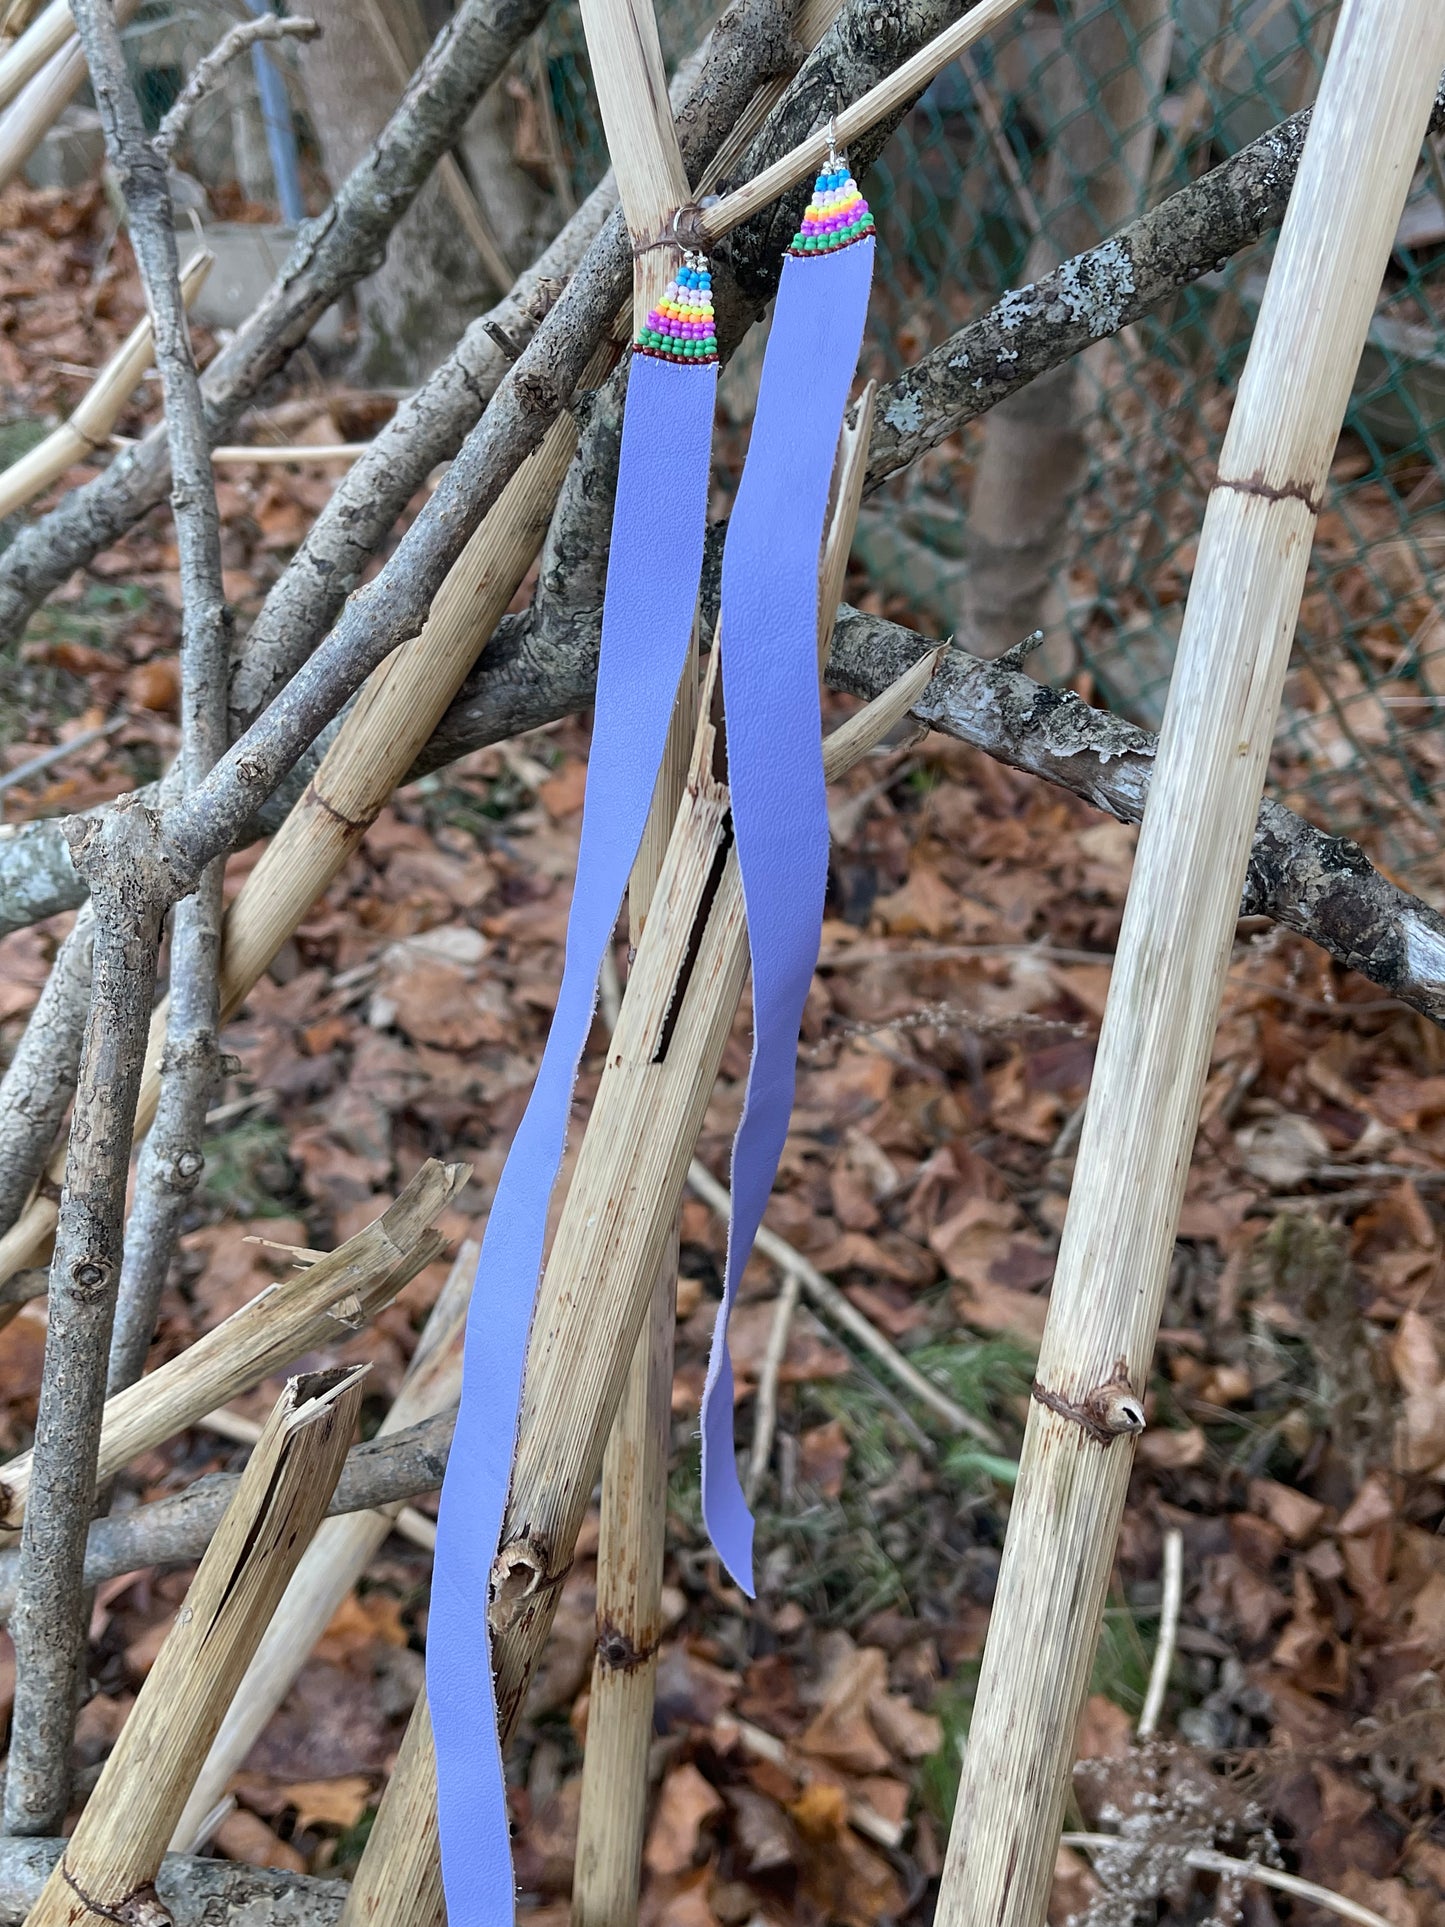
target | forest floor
[{"x": 808, "y": 1744}]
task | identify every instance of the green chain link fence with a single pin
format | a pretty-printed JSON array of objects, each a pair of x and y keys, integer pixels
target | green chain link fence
[{"x": 1019, "y": 138}]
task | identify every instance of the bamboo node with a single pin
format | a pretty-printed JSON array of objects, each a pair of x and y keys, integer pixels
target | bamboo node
[
  {"x": 1255, "y": 484},
  {"x": 520, "y": 1576},
  {"x": 674, "y": 235},
  {"x": 1110, "y": 1411},
  {"x": 143, "y": 1908},
  {"x": 358, "y": 825},
  {"x": 616, "y": 1653}
]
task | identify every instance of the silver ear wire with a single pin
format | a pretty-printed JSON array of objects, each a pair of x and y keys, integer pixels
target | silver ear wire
[{"x": 832, "y": 140}]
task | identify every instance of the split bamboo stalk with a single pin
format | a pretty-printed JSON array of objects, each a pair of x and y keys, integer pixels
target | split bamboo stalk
[
  {"x": 40, "y": 41},
  {"x": 339, "y": 1293},
  {"x": 396, "y": 712},
  {"x": 627, "y": 67},
  {"x": 42, "y": 99},
  {"x": 228, "y": 1424},
  {"x": 111, "y": 1860},
  {"x": 88, "y": 429},
  {"x": 336, "y": 1558},
  {"x": 617, "y": 1218},
  {"x": 1173, "y": 952},
  {"x": 685, "y": 984}
]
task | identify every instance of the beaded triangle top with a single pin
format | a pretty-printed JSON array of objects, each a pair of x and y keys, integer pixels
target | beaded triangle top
[
  {"x": 837, "y": 215},
  {"x": 681, "y": 326}
]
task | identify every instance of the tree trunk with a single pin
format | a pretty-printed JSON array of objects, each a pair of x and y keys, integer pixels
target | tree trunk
[
  {"x": 416, "y": 306},
  {"x": 1103, "y": 96},
  {"x": 523, "y": 213}
]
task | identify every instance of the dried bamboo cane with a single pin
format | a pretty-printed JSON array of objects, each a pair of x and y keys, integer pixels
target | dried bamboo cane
[
  {"x": 96, "y": 415},
  {"x": 228, "y": 1424},
  {"x": 112, "y": 1858},
  {"x": 613, "y": 1816},
  {"x": 335, "y": 1560},
  {"x": 44, "y": 97},
  {"x": 40, "y": 41},
  {"x": 341, "y": 1291},
  {"x": 1173, "y": 952},
  {"x": 627, "y": 67}
]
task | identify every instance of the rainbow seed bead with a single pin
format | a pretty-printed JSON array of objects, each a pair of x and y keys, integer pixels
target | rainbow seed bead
[
  {"x": 836, "y": 217},
  {"x": 681, "y": 326}
]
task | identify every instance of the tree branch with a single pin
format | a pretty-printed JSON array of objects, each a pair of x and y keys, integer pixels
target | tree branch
[
  {"x": 1093, "y": 295},
  {"x": 83, "y": 1276},
  {"x": 39, "y": 1080},
  {"x": 197, "y": 1892},
  {"x": 329, "y": 256},
  {"x": 207, "y": 72},
  {"x": 1323, "y": 887},
  {"x": 49, "y": 1628},
  {"x": 173, "y": 1532}
]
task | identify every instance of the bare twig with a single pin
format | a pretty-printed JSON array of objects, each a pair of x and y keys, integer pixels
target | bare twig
[
  {"x": 171, "y": 1163},
  {"x": 84, "y": 1273},
  {"x": 1205, "y": 1860},
  {"x": 57, "y": 753},
  {"x": 336, "y": 1559},
  {"x": 765, "y": 1400},
  {"x": 171, "y": 1159},
  {"x": 1168, "y": 1632},
  {"x": 176, "y": 1531},
  {"x": 206, "y": 74},
  {"x": 843, "y": 1313}
]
